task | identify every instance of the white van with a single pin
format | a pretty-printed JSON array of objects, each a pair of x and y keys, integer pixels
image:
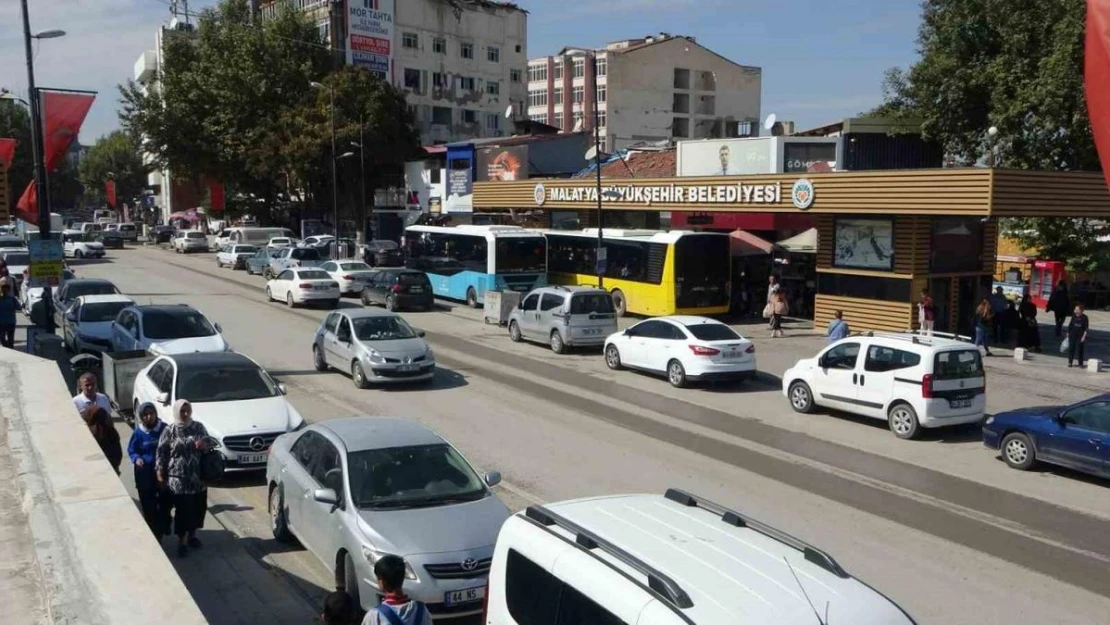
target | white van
[{"x": 257, "y": 237}]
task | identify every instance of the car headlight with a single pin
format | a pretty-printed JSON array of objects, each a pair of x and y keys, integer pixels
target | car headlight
[
  {"x": 372, "y": 556},
  {"x": 375, "y": 357},
  {"x": 430, "y": 355},
  {"x": 990, "y": 420}
]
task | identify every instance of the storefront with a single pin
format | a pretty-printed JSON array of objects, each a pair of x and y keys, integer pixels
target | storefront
[{"x": 883, "y": 236}]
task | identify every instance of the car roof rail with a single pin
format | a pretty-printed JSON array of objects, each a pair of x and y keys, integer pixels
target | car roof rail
[
  {"x": 662, "y": 586},
  {"x": 734, "y": 518}
]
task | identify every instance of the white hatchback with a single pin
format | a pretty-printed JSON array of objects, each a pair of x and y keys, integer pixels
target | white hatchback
[
  {"x": 302, "y": 286},
  {"x": 684, "y": 348},
  {"x": 910, "y": 381}
]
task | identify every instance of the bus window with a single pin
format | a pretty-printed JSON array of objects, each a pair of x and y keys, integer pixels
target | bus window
[
  {"x": 701, "y": 279},
  {"x": 520, "y": 255}
]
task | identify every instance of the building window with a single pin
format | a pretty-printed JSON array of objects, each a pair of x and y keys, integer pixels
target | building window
[
  {"x": 493, "y": 88},
  {"x": 441, "y": 115},
  {"x": 602, "y": 65},
  {"x": 518, "y": 48},
  {"x": 466, "y": 50},
  {"x": 439, "y": 79},
  {"x": 439, "y": 45},
  {"x": 707, "y": 105},
  {"x": 540, "y": 118},
  {"x": 493, "y": 54},
  {"x": 680, "y": 103},
  {"x": 680, "y": 127},
  {"x": 577, "y": 120},
  {"x": 324, "y": 29},
  {"x": 493, "y": 121},
  {"x": 412, "y": 79},
  {"x": 579, "y": 68},
  {"x": 707, "y": 81},
  {"x": 558, "y": 70},
  {"x": 681, "y": 78},
  {"x": 558, "y": 121},
  {"x": 602, "y": 93},
  {"x": 537, "y": 73},
  {"x": 557, "y": 97},
  {"x": 514, "y": 75},
  {"x": 469, "y": 116},
  {"x": 434, "y": 174},
  {"x": 601, "y": 119},
  {"x": 577, "y": 94},
  {"x": 466, "y": 83},
  {"x": 537, "y": 97},
  {"x": 410, "y": 41}
]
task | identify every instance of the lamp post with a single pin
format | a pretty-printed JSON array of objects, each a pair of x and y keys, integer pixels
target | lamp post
[
  {"x": 601, "y": 259},
  {"x": 361, "y": 176},
  {"x": 334, "y": 176},
  {"x": 992, "y": 133}
]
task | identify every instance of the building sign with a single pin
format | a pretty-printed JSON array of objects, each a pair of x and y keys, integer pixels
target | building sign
[
  {"x": 664, "y": 194},
  {"x": 502, "y": 164},
  {"x": 864, "y": 244},
  {"x": 370, "y": 35},
  {"x": 800, "y": 157},
  {"x": 45, "y": 263},
  {"x": 801, "y": 193},
  {"x": 460, "y": 184},
  {"x": 725, "y": 157}
]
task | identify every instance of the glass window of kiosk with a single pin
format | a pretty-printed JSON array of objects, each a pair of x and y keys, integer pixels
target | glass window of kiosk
[{"x": 957, "y": 245}]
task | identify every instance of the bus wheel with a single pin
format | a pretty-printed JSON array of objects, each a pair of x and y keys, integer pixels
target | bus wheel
[
  {"x": 471, "y": 298},
  {"x": 619, "y": 303}
]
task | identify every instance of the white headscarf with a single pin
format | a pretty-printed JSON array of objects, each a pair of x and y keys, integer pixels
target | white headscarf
[{"x": 177, "y": 406}]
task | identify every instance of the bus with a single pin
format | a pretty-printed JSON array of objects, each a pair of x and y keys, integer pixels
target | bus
[
  {"x": 648, "y": 272},
  {"x": 463, "y": 262}
]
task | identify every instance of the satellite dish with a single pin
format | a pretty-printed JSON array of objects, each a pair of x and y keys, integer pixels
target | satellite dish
[
  {"x": 509, "y": 112},
  {"x": 777, "y": 129},
  {"x": 591, "y": 153},
  {"x": 770, "y": 122}
]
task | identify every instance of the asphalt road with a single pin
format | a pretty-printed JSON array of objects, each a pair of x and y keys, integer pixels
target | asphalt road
[{"x": 939, "y": 525}]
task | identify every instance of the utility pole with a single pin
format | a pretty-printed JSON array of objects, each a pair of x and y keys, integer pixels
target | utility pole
[{"x": 362, "y": 174}]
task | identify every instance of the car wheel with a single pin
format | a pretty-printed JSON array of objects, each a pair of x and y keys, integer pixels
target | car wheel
[
  {"x": 613, "y": 357},
  {"x": 269, "y": 295},
  {"x": 318, "y": 359},
  {"x": 350, "y": 580},
  {"x": 514, "y": 331},
  {"x": 620, "y": 304},
  {"x": 390, "y": 303},
  {"x": 471, "y": 298},
  {"x": 358, "y": 376},
  {"x": 557, "y": 344},
  {"x": 278, "y": 524},
  {"x": 902, "y": 419},
  {"x": 365, "y": 300},
  {"x": 1018, "y": 451},
  {"x": 676, "y": 374},
  {"x": 801, "y": 397},
  {"x": 289, "y": 300},
  {"x": 78, "y": 254}
]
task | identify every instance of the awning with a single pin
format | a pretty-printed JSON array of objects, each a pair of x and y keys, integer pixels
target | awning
[
  {"x": 744, "y": 243},
  {"x": 804, "y": 243}
]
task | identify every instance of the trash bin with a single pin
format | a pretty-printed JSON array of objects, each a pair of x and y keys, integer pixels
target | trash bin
[{"x": 499, "y": 304}]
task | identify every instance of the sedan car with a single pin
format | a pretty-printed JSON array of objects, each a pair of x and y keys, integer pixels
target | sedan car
[
  {"x": 383, "y": 253},
  {"x": 280, "y": 242},
  {"x": 1075, "y": 436},
  {"x": 31, "y": 296},
  {"x": 88, "y": 322},
  {"x": 320, "y": 240},
  {"x": 374, "y": 346},
  {"x": 257, "y": 264},
  {"x": 189, "y": 241},
  {"x": 110, "y": 239},
  {"x": 166, "y": 329},
  {"x": 161, "y": 234},
  {"x": 352, "y": 490},
  {"x": 235, "y": 256},
  {"x": 397, "y": 288},
  {"x": 302, "y": 286},
  {"x": 684, "y": 348},
  {"x": 237, "y": 401},
  {"x": 352, "y": 275},
  {"x": 71, "y": 290}
]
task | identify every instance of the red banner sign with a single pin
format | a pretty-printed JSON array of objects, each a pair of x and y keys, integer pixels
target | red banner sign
[
  {"x": 63, "y": 113},
  {"x": 373, "y": 45},
  {"x": 7, "y": 151},
  {"x": 110, "y": 192},
  {"x": 1097, "y": 77}
]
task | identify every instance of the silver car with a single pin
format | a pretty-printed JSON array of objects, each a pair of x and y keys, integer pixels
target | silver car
[
  {"x": 564, "y": 317},
  {"x": 374, "y": 346},
  {"x": 352, "y": 490}
]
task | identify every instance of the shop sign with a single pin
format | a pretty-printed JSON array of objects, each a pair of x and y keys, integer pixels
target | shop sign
[
  {"x": 46, "y": 263},
  {"x": 370, "y": 35},
  {"x": 664, "y": 194}
]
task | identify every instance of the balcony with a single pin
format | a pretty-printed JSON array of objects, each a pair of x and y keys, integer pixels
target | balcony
[{"x": 146, "y": 68}]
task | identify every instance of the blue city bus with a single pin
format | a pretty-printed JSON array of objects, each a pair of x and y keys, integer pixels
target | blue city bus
[{"x": 463, "y": 262}]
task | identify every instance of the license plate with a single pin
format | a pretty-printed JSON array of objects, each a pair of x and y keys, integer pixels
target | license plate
[
  {"x": 252, "y": 458},
  {"x": 465, "y": 595},
  {"x": 732, "y": 353},
  {"x": 320, "y": 287},
  {"x": 416, "y": 289},
  {"x": 407, "y": 368},
  {"x": 960, "y": 403}
]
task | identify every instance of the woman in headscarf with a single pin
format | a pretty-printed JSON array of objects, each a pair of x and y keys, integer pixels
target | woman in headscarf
[
  {"x": 143, "y": 451},
  {"x": 180, "y": 448}
]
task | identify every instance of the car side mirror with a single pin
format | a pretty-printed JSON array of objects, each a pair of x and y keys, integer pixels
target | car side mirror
[
  {"x": 326, "y": 496},
  {"x": 629, "y": 332},
  {"x": 70, "y": 316},
  {"x": 823, "y": 362},
  {"x": 421, "y": 333},
  {"x": 281, "y": 389},
  {"x": 219, "y": 329},
  {"x": 163, "y": 398},
  {"x": 493, "y": 478}
]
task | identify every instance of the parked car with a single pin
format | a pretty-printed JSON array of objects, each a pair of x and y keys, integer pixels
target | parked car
[
  {"x": 65, "y": 295},
  {"x": 321, "y": 240},
  {"x": 186, "y": 241},
  {"x": 88, "y": 322},
  {"x": 259, "y": 263},
  {"x": 31, "y": 296},
  {"x": 237, "y": 401},
  {"x": 375, "y": 347},
  {"x": 666, "y": 560},
  {"x": 162, "y": 234},
  {"x": 166, "y": 329},
  {"x": 129, "y": 232},
  {"x": 351, "y": 275},
  {"x": 302, "y": 286},
  {"x": 77, "y": 245},
  {"x": 1075, "y": 436},
  {"x": 18, "y": 261},
  {"x": 292, "y": 257},
  {"x": 683, "y": 348},
  {"x": 110, "y": 239},
  {"x": 235, "y": 256},
  {"x": 383, "y": 253},
  {"x": 564, "y": 317},
  {"x": 12, "y": 243},
  {"x": 351, "y": 490},
  {"x": 910, "y": 381},
  {"x": 280, "y": 242},
  {"x": 398, "y": 288}
]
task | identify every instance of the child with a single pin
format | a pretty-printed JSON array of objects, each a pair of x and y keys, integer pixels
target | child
[
  {"x": 396, "y": 608},
  {"x": 142, "y": 449}
]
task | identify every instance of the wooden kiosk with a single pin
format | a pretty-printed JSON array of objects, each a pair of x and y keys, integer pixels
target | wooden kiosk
[{"x": 883, "y": 236}]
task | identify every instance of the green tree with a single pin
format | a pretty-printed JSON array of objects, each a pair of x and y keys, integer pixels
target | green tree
[
  {"x": 15, "y": 123},
  {"x": 117, "y": 156}
]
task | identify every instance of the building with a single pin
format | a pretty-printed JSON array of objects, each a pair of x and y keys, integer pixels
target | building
[{"x": 657, "y": 88}]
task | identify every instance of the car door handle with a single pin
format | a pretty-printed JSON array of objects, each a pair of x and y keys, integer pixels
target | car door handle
[
  {"x": 1094, "y": 441},
  {"x": 855, "y": 378},
  {"x": 861, "y": 379}
]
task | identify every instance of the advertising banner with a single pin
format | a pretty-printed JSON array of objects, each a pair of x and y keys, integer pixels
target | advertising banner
[
  {"x": 1097, "y": 77},
  {"x": 370, "y": 35},
  {"x": 460, "y": 184},
  {"x": 7, "y": 151},
  {"x": 800, "y": 157},
  {"x": 725, "y": 157},
  {"x": 46, "y": 263},
  {"x": 63, "y": 114},
  {"x": 502, "y": 164}
]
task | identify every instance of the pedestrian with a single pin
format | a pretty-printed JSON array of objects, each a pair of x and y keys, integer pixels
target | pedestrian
[
  {"x": 104, "y": 432},
  {"x": 779, "y": 308},
  {"x": 180, "y": 448},
  {"x": 396, "y": 608},
  {"x": 772, "y": 288},
  {"x": 1077, "y": 335},
  {"x": 838, "y": 327},
  {"x": 998, "y": 309},
  {"x": 339, "y": 609},
  {"x": 1059, "y": 303},
  {"x": 1029, "y": 332},
  {"x": 8, "y": 306},
  {"x": 6, "y": 278},
  {"x": 926, "y": 313},
  {"x": 143, "y": 451},
  {"x": 981, "y": 320},
  {"x": 1009, "y": 320},
  {"x": 88, "y": 397}
]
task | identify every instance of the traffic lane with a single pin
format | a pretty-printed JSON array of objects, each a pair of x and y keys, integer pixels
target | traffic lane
[
  {"x": 955, "y": 451},
  {"x": 555, "y": 453}
]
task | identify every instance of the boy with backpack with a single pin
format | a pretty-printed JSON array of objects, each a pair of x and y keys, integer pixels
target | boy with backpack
[{"x": 396, "y": 608}]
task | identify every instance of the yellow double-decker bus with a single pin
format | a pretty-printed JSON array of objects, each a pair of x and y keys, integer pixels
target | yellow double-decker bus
[{"x": 649, "y": 272}]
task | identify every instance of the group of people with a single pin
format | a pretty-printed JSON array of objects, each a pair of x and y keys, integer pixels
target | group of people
[
  {"x": 999, "y": 314},
  {"x": 396, "y": 607},
  {"x": 8, "y": 306}
]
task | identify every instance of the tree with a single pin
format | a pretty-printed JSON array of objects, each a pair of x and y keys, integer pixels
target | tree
[
  {"x": 15, "y": 123},
  {"x": 117, "y": 156}
]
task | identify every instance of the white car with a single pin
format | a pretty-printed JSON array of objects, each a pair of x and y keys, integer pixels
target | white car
[
  {"x": 87, "y": 324},
  {"x": 301, "y": 286},
  {"x": 29, "y": 296},
  {"x": 237, "y": 401},
  {"x": 166, "y": 329},
  {"x": 316, "y": 241},
  {"x": 189, "y": 241},
  {"x": 18, "y": 261},
  {"x": 352, "y": 275},
  {"x": 235, "y": 256},
  {"x": 279, "y": 242},
  {"x": 76, "y": 246},
  {"x": 684, "y": 348},
  {"x": 907, "y": 380}
]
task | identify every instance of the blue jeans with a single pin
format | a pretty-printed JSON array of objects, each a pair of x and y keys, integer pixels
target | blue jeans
[{"x": 980, "y": 336}]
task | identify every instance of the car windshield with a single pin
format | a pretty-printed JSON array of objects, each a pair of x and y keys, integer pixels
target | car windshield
[
  {"x": 77, "y": 290},
  {"x": 354, "y": 267},
  {"x": 126, "y": 227},
  {"x": 383, "y": 328},
  {"x": 382, "y": 245},
  {"x": 279, "y": 241},
  {"x": 234, "y": 383},
  {"x": 412, "y": 278},
  {"x": 9, "y": 243},
  {"x": 185, "y": 324},
  {"x": 412, "y": 477},
  {"x": 957, "y": 364},
  {"x": 313, "y": 275},
  {"x": 587, "y": 303},
  {"x": 97, "y": 312},
  {"x": 713, "y": 332},
  {"x": 304, "y": 253},
  {"x": 17, "y": 259},
  {"x": 245, "y": 249},
  {"x": 194, "y": 235}
]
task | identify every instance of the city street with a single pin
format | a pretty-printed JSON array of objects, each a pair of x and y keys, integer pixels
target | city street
[{"x": 940, "y": 525}]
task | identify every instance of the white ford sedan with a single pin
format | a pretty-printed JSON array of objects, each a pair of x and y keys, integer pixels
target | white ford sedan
[
  {"x": 684, "y": 348},
  {"x": 302, "y": 286},
  {"x": 352, "y": 275}
]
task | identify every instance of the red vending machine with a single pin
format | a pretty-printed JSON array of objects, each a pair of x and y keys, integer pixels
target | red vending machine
[{"x": 1046, "y": 275}]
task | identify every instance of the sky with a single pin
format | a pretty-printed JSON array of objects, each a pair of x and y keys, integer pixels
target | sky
[{"x": 821, "y": 60}]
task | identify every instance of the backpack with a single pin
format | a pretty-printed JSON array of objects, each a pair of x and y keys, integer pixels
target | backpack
[{"x": 390, "y": 615}]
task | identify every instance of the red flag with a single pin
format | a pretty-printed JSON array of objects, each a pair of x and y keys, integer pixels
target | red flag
[
  {"x": 7, "y": 151},
  {"x": 63, "y": 114},
  {"x": 110, "y": 192},
  {"x": 1097, "y": 77},
  {"x": 216, "y": 195}
]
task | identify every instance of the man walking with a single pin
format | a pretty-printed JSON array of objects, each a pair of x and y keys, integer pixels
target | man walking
[
  {"x": 8, "y": 306},
  {"x": 396, "y": 608},
  {"x": 926, "y": 313},
  {"x": 838, "y": 328},
  {"x": 999, "y": 303}
]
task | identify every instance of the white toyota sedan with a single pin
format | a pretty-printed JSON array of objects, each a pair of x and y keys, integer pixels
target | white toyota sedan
[
  {"x": 683, "y": 348},
  {"x": 303, "y": 286},
  {"x": 351, "y": 275}
]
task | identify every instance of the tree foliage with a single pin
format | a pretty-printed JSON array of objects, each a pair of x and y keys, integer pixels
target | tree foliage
[
  {"x": 64, "y": 188},
  {"x": 116, "y": 156}
]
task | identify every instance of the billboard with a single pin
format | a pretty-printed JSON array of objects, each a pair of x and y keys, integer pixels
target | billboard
[
  {"x": 502, "y": 164},
  {"x": 460, "y": 182},
  {"x": 370, "y": 35},
  {"x": 799, "y": 157},
  {"x": 726, "y": 157}
]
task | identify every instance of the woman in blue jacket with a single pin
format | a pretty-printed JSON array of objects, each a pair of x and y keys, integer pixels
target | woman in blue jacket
[{"x": 142, "y": 450}]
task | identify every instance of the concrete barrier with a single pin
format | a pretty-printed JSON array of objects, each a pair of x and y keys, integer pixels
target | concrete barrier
[{"x": 98, "y": 561}]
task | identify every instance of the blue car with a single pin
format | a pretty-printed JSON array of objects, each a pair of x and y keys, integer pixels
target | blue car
[{"x": 1075, "y": 436}]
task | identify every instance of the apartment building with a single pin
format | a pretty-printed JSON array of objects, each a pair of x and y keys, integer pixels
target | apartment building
[{"x": 656, "y": 88}]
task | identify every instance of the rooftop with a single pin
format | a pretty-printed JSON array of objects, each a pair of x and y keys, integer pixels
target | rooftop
[{"x": 661, "y": 164}]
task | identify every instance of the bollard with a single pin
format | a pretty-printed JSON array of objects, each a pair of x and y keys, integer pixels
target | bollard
[
  {"x": 1094, "y": 365},
  {"x": 1020, "y": 354}
]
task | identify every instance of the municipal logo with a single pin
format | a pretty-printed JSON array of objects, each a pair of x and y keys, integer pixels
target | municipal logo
[
  {"x": 539, "y": 194},
  {"x": 802, "y": 194}
]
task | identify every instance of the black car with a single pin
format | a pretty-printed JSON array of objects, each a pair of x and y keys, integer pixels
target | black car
[
  {"x": 71, "y": 290},
  {"x": 383, "y": 253},
  {"x": 161, "y": 234},
  {"x": 111, "y": 239},
  {"x": 399, "y": 288}
]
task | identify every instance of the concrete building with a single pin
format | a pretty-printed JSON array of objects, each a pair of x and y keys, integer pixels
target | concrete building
[{"x": 657, "y": 88}]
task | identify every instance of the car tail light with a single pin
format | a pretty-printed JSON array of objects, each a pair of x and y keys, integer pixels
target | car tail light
[
  {"x": 751, "y": 349},
  {"x": 348, "y": 277},
  {"x": 700, "y": 350},
  {"x": 305, "y": 285},
  {"x": 396, "y": 288},
  {"x": 334, "y": 285},
  {"x": 927, "y": 386}
]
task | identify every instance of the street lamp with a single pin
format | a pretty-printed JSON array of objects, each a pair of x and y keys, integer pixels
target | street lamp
[
  {"x": 334, "y": 176},
  {"x": 600, "y": 255},
  {"x": 992, "y": 133},
  {"x": 360, "y": 144},
  {"x": 49, "y": 34}
]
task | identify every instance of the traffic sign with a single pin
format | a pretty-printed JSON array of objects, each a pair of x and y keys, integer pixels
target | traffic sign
[{"x": 46, "y": 262}]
